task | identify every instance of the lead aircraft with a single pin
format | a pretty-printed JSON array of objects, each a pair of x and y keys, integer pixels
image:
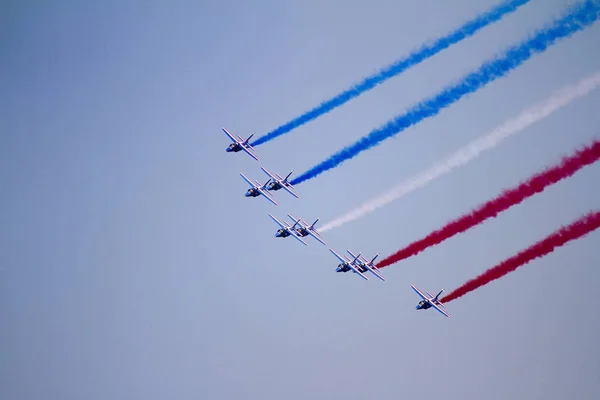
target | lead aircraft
[
  {"x": 257, "y": 189},
  {"x": 430, "y": 301},
  {"x": 240, "y": 143}
]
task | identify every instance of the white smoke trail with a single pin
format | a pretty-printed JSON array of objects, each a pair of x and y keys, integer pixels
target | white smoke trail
[{"x": 461, "y": 157}]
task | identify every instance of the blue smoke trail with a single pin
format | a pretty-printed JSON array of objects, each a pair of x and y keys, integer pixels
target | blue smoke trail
[
  {"x": 581, "y": 16},
  {"x": 423, "y": 53}
]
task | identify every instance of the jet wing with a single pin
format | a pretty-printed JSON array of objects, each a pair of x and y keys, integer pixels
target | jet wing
[
  {"x": 295, "y": 235},
  {"x": 437, "y": 307},
  {"x": 296, "y": 220},
  {"x": 316, "y": 236},
  {"x": 248, "y": 149},
  {"x": 420, "y": 293},
  {"x": 349, "y": 264},
  {"x": 233, "y": 139},
  {"x": 268, "y": 196},
  {"x": 290, "y": 189},
  {"x": 270, "y": 174},
  {"x": 278, "y": 222},
  {"x": 248, "y": 180},
  {"x": 342, "y": 259}
]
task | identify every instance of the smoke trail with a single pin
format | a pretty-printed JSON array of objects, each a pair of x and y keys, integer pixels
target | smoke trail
[
  {"x": 577, "y": 229},
  {"x": 426, "y": 51},
  {"x": 474, "y": 149},
  {"x": 581, "y": 16},
  {"x": 536, "y": 184}
]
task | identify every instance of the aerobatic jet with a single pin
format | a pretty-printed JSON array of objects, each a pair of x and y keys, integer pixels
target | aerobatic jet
[
  {"x": 363, "y": 264},
  {"x": 280, "y": 183},
  {"x": 305, "y": 229},
  {"x": 240, "y": 143},
  {"x": 430, "y": 301},
  {"x": 257, "y": 189},
  {"x": 287, "y": 230},
  {"x": 348, "y": 264}
]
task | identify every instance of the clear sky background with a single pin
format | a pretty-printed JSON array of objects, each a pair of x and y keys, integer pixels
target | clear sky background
[{"x": 132, "y": 266}]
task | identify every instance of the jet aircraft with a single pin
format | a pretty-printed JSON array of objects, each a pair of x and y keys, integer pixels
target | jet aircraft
[
  {"x": 280, "y": 183},
  {"x": 349, "y": 265},
  {"x": 287, "y": 230},
  {"x": 257, "y": 189},
  {"x": 363, "y": 264},
  {"x": 430, "y": 301},
  {"x": 240, "y": 143},
  {"x": 305, "y": 229}
]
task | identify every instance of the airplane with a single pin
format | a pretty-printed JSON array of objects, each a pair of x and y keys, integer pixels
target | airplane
[
  {"x": 280, "y": 183},
  {"x": 348, "y": 265},
  {"x": 257, "y": 189},
  {"x": 240, "y": 143},
  {"x": 430, "y": 301},
  {"x": 306, "y": 230},
  {"x": 287, "y": 230},
  {"x": 367, "y": 265}
]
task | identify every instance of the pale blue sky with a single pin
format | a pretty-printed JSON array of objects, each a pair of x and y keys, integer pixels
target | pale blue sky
[{"x": 132, "y": 266}]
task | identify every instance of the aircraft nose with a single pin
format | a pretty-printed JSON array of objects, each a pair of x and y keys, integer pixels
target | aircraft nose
[{"x": 228, "y": 150}]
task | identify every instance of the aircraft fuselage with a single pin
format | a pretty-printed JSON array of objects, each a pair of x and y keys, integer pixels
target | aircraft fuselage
[
  {"x": 233, "y": 147},
  {"x": 282, "y": 233},
  {"x": 275, "y": 186},
  {"x": 302, "y": 232},
  {"x": 423, "y": 305},
  {"x": 346, "y": 268},
  {"x": 252, "y": 192}
]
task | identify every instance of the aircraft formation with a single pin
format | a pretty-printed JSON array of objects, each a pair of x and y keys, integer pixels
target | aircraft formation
[
  {"x": 299, "y": 229},
  {"x": 577, "y": 16}
]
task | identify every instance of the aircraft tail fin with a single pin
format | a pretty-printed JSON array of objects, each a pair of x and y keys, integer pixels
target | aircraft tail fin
[
  {"x": 313, "y": 224},
  {"x": 373, "y": 260},
  {"x": 438, "y": 295},
  {"x": 265, "y": 185},
  {"x": 297, "y": 222},
  {"x": 288, "y": 175},
  {"x": 248, "y": 139}
]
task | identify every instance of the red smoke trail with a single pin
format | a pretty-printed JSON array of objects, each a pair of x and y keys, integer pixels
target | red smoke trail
[
  {"x": 537, "y": 183},
  {"x": 582, "y": 226}
]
